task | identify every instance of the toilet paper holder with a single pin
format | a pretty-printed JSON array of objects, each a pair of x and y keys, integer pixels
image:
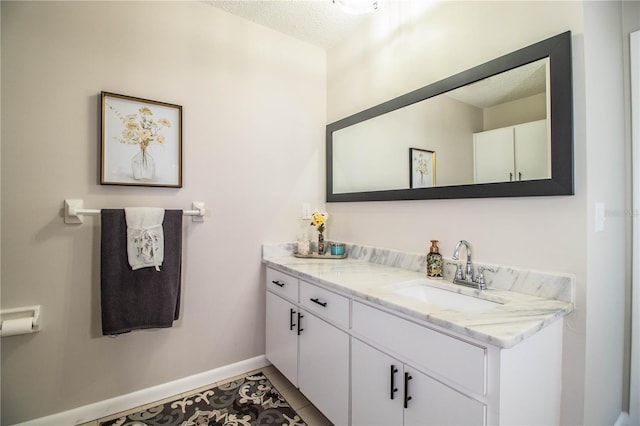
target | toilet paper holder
[{"x": 25, "y": 312}]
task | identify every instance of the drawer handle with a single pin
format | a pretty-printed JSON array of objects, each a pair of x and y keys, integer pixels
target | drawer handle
[
  {"x": 394, "y": 389},
  {"x": 300, "y": 323},
  {"x": 278, "y": 283},
  {"x": 407, "y": 398},
  {"x": 291, "y": 324},
  {"x": 323, "y": 304}
]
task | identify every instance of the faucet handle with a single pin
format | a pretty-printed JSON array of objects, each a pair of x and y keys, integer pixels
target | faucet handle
[
  {"x": 480, "y": 277},
  {"x": 458, "y": 275}
]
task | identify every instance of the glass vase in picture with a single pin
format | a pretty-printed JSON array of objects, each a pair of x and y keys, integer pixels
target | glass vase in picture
[{"x": 143, "y": 166}]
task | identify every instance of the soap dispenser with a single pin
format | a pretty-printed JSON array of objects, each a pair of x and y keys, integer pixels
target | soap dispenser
[{"x": 434, "y": 261}]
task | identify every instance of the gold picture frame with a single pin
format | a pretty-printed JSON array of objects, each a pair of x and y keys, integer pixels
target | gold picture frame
[
  {"x": 422, "y": 166},
  {"x": 141, "y": 142}
]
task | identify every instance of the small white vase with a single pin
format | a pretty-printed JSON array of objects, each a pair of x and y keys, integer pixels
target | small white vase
[{"x": 143, "y": 166}]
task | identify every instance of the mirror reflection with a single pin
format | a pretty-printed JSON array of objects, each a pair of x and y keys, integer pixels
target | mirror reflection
[
  {"x": 503, "y": 128},
  {"x": 494, "y": 130}
]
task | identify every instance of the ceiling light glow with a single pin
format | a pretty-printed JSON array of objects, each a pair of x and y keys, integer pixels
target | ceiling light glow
[{"x": 357, "y": 7}]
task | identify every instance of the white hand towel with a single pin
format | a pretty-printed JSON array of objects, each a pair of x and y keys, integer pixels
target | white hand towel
[{"x": 145, "y": 237}]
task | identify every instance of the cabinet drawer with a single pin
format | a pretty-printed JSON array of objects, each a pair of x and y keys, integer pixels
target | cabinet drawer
[
  {"x": 325, "y": 303},
  {"x": 455, "y": 360},
  {"x": 282, "y": 284}
]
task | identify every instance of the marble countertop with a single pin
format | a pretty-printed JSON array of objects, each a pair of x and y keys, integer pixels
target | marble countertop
[{"x": 517, "y": 317}]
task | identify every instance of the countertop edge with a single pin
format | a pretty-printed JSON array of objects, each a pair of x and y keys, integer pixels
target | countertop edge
[{"x": 527, "y": 326}]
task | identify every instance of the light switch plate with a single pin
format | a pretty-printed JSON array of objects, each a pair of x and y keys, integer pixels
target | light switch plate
[{"x": 306, "y": 211}]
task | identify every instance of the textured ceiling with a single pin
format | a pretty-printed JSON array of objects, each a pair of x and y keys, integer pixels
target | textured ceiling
[
  {"x": 324, "y": 24},
  {"x": 319, "y": 22},
  {"x": 518, "y": 83}
]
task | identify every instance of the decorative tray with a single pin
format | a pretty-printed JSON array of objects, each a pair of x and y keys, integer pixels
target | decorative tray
[{"x": 320, "y": 256}]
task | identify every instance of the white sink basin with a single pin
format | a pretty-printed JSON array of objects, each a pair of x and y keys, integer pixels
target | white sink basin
[{"x": 422, "y": 291}]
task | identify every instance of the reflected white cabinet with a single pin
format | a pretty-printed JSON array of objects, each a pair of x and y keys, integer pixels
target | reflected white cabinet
[{"x": 512, "y": 153}]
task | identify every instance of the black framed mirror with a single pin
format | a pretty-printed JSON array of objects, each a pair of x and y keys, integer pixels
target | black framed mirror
[{"x": 525, "y": 96}]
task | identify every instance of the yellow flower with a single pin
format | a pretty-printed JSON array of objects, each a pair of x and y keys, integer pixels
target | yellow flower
[
  {"x": 128, "y": 134},
  {"x": 144, "y": 134},
  {"x": 318, "y": 220},
  {"x": 141, "y": 129},
  {"x": 145, "y": 111}
]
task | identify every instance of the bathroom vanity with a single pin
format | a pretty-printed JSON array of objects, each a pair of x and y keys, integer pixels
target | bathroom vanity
[{"x": 367, "y": 345}]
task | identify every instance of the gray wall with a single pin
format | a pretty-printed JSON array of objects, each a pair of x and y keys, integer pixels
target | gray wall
[
  {"x": 398, "y": 54},
  {"x": 254, "y": 152},
  {"x": 254, "y": 113}
]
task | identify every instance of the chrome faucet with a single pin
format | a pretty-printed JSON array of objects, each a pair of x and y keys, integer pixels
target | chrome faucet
[
  {"x": 468, "y": 279},
  {"x": 469, "y": 267}
]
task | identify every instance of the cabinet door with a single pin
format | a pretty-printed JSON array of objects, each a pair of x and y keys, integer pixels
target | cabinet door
[
  {"x": 323, "y": 374},
  {"x": 282, "y": 336},
  {"x": 533, "y": 158},
  {"x": 376, "y": 387},
  {"x": 493, "y": 156},
  {"x": 432, "y": 403}
]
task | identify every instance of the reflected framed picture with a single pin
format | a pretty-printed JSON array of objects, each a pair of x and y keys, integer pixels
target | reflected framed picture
[
  {"x": 141, "y": 142},
  {"x": 422, "y": 166}
]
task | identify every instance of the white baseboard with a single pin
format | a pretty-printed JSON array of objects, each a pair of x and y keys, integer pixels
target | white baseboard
[
  {"x": 105, "y": 408},
  {"x": 623, "y": 420}
]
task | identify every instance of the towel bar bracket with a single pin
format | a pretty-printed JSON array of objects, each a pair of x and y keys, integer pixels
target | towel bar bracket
[
  {"x": 74, "y": 211},
  {"x": 71, "y": 214},
  {"x": 199, "y": 207}
]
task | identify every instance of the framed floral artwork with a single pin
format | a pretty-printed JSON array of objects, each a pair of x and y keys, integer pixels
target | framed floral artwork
[
  {"x": 422, "y": 166},
  {"x": 141, "y": 142}
]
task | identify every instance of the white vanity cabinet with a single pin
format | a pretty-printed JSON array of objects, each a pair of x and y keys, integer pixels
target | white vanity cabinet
[
  {"x": 323, "y": 373},
  {"x": 376, "y": 381},
  {"x": 305, "y": 345},
  {"x": 282, "y": 319},
  {"x": 364, "y": 363},
  {"x": 379, "y": 379},
  {"x": 512, "y": 153},
  {"x": 324, "y": 368},
  {"x": 454, "y": 380},
  {"x": 386, "y": 392}
]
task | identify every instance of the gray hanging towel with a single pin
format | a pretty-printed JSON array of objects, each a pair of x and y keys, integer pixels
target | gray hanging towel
[{"x": 144, "y": 298}]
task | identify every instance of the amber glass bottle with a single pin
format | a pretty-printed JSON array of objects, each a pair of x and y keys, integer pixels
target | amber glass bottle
[{"x": 434, "y": 261}]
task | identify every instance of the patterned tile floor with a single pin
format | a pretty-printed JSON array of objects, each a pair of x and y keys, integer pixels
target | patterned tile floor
[{"x": 309, "y": 413}]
